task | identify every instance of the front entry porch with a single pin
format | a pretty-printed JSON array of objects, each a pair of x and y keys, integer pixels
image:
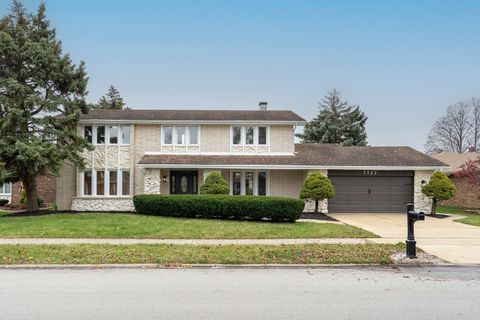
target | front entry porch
[{"x": 183, "y": 182}]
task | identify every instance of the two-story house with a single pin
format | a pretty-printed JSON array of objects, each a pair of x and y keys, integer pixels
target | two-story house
[{"x": 172, "y": 152}]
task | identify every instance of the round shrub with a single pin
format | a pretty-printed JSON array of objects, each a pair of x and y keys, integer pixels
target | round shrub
[
  {"x": 3, "y": 202},
  {"x": 215, "y": 184},
  {"x": 317, "y": 187},
  {"x": 279, "y": 209}
]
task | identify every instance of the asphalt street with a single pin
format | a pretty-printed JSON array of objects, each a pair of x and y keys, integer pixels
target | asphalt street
[{"x": 324, "y": 293}]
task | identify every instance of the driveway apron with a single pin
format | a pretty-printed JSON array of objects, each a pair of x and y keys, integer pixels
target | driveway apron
[{"x": 452, "y": 241}]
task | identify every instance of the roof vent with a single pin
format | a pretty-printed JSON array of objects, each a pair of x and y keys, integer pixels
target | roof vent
[{"x": 263, "y": 105}]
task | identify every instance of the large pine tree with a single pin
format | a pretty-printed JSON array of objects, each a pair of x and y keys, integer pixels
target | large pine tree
[
  {"x": 42, "y": 97},
  {"x": 336, "y": 122},
  {"x": 112, "y": 100}
]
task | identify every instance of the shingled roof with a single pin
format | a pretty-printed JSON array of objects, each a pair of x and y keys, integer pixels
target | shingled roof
[
  {"x": 322, "y": 155},
  {"x": 194, "y": 115}
]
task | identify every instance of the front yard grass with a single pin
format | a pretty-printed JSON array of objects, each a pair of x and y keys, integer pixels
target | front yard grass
[
  {"x": 472, "y": 219},
  {"x": 174, "y": 255},
  {"x": 118, "y": 225}
]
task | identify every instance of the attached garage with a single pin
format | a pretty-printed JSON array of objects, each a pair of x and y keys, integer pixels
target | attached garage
[{"x": 371, "y": 190}]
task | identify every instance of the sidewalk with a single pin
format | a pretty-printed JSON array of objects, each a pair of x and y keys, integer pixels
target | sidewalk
[{"x": 57, "y": 241}]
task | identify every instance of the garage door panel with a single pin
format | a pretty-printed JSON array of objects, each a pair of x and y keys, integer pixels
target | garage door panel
[{"x": 371, "y": 194}]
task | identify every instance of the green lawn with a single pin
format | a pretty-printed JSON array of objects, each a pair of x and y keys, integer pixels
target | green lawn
[
  {"x": 117, "y": 225},
  {"x": 473, "y": 219},
  {"x": 174, "y": 255},
  {"x": 451, "y": 210}
]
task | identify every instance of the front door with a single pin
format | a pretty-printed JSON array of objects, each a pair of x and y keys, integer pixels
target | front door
[{"x": 183, "y": 182}]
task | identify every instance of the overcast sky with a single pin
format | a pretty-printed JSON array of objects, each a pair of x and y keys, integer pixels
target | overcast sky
[{"x": 402, "y": 61}]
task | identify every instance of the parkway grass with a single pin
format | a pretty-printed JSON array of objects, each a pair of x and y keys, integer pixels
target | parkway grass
[
  {"x": 120, "y": 225},
  {"x": 174, "y": 255}
]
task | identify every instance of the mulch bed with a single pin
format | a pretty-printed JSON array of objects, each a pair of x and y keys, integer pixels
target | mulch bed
[
  {"x": 317, "y": 216},
  {"x": 438, "y": 216}
]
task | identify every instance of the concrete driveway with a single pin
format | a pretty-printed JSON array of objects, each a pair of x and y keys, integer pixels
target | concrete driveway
[{"x": 452, "y": 241}]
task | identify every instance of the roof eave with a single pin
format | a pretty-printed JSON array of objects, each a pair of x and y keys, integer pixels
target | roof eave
[{"x": 133, "y": 121}]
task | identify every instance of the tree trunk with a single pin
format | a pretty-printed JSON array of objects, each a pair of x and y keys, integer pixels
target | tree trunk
[
  {"x": 30, "y": 185},
  {"x": 434, "y": 206},
  {"x": 316, "y": 206}
]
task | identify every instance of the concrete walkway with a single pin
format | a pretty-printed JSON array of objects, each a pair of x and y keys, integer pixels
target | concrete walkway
[
  {"x": 53, "y": 241},
  {"x": 452, "y": 241}
]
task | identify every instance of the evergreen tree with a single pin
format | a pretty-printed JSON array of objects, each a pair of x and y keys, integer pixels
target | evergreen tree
[
  {"x": 439, "y": 188},
  {"x": 42, "y": 97},
  {"x": 112, "y": 100},
  {"x": 317, "y": 187},
  {"x": 337, "y": 122}
]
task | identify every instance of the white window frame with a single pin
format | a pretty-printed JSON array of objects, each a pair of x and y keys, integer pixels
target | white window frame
[
  {"x": 243, "y": 136},
  {"x": 187, "y": 135},
  {"x": 106, "y": 186},
  {"x": 255, "y": 181},
  {"x": 3, "y": 193},
  {"x": 107, "y": 134}
]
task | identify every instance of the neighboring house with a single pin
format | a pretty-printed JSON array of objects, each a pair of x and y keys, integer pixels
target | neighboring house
[
  {"x": 6, "y": 191},
  {"x": 172, "y": 151},
  {"x": 467, "y": 196}
]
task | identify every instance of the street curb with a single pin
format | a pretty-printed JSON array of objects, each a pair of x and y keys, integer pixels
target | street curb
[{"x": 223, "y": 266}]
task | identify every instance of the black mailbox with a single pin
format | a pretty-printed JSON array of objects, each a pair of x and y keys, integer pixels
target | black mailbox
[{"x": 412, "y": 216}]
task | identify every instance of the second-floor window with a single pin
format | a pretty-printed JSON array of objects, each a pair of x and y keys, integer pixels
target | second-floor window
[
  {"x": 111, "y": 134},
  {"x": 249, "y": 135},
  {"x": 181, "y": 135}
]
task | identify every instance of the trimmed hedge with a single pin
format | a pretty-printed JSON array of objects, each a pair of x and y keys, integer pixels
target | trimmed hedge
[
  {"x": 220, "y": 207},
  {"x": 3, "y": 202}
]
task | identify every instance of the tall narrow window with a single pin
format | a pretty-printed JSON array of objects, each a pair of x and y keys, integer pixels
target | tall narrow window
[
  {"x": 237, "y": 135},
  {"x": 249, "y": 135},
  {"x": 262, "y": 184},
  {"x": 237, "y": 183},
  {"x": 88, "y": 133},
  {"x": 87, "y": 183},
  {"x": 112, "y": 183},
  {"x": 193, "y": 134},
  {"x": 113, "y": 133},
  {"x": 125, "y": 134},
  {"x": 167, "y": 135},
  {"x": 262, "y": 135},
  {"x": 125, "y": 183},
  {"x": 249, "y": 183},
  {"x": 100, "y": 135},
  {"x": 100, "y": 183},
  {"x": 181, "y": 135}
]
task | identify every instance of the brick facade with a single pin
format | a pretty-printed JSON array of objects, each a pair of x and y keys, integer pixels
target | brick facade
[
  {"x": 467, "y": 195},
  {"x": 46, "y": 188}
]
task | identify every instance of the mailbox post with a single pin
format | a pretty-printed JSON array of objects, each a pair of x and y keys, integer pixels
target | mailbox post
[{"x": 412, "y": 217}]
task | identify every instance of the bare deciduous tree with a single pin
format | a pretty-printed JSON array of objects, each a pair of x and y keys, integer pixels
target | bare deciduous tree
[
  {"x": 475, "y": 124},
  {"x": 452, "y": 132}
]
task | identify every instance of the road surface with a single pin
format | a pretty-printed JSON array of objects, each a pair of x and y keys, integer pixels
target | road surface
[{"x": 325, "y": 293}]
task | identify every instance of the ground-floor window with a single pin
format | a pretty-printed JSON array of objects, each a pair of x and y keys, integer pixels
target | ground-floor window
[
  {"x": 6, "y": 188},
  {"x": 249, "y": 182},
  {"x": 110, "y": 182}
]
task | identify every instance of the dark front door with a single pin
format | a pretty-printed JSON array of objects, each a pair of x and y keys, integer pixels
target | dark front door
[
  {"x": 183, "y": 182},
  {"x": 380, "y": 193}
]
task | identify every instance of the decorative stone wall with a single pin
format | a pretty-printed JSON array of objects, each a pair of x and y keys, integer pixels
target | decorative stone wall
[
  {"x": 99, "y": 157},
  {"x": 152, "y": 179},
  {"x": 323, "y": 204},
  {"x": 112, "y": 157},
  {"x": 421, "y": 202},
  {"x": 124, "y": 157},
  {"x": 103, "y": 204}
]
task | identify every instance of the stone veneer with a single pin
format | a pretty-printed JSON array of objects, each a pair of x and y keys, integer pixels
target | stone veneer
[
  {"x": 310, "y": 204},
  {"x": 103, "y": 204},
  {"x": 152, "y": 179},
  {"x": 421, "y": 202}
]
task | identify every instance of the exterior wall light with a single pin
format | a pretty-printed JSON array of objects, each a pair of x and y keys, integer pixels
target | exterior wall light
[{"x": 164, "y": 179}]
